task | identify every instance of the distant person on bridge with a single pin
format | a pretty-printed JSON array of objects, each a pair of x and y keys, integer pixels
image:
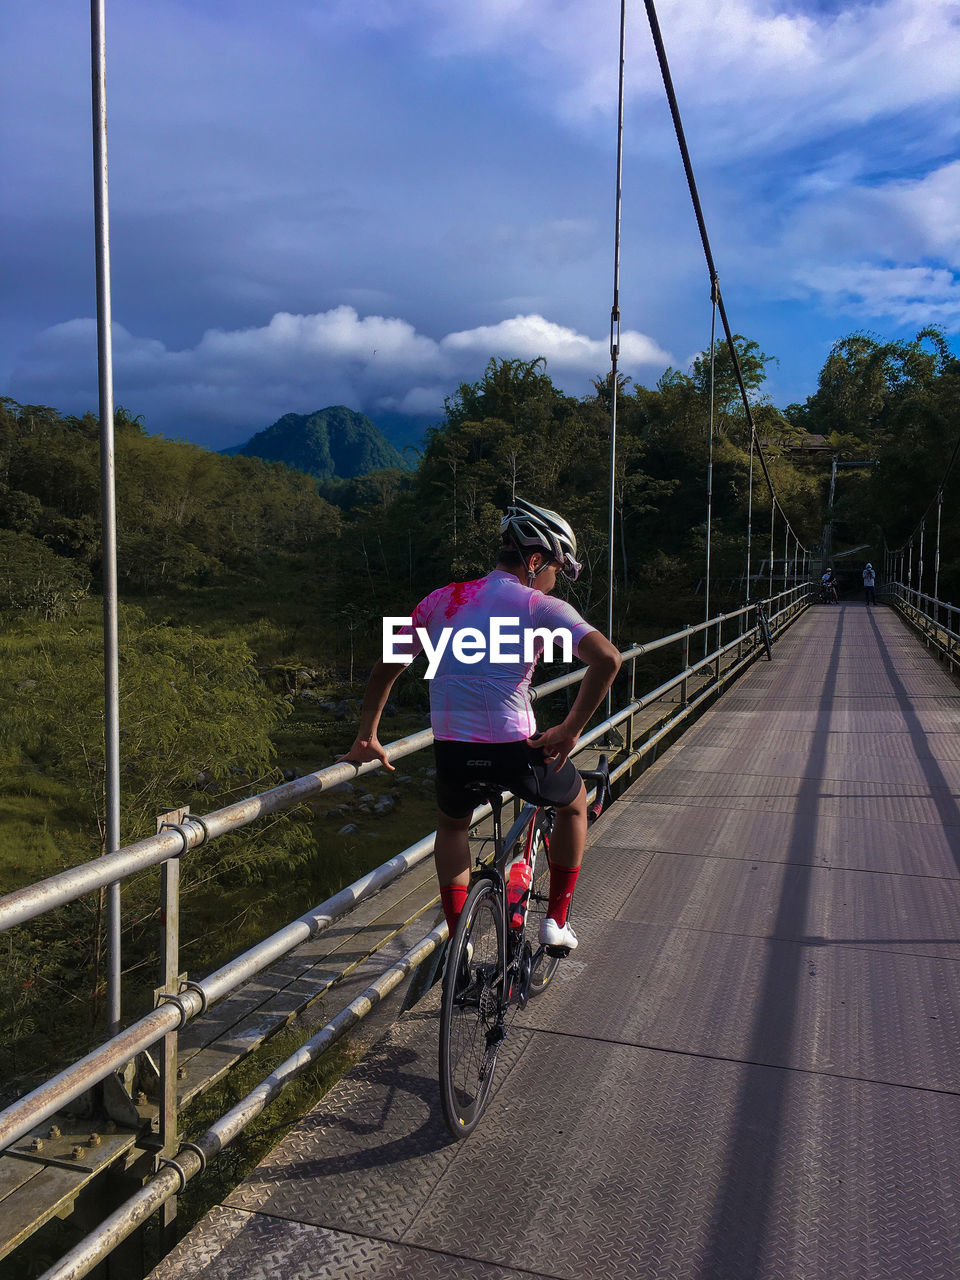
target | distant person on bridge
[
  {"x": 869, "y": 584},
  {"x": 483, "y": 723},
  {"x": 828, "y": 587}
]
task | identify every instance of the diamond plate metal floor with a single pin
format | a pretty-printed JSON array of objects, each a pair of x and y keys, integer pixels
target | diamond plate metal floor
[{"x": 750, "y": 1068}]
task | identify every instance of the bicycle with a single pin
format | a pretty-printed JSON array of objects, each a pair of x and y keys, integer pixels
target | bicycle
[
  {"x": 495, "y": 960},
  {"x": 763, "y": 627}
]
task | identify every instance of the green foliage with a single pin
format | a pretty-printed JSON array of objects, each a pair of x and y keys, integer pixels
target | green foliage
[
  {"x": 189, "y": 706},
  {"x": 35, "y": 580},
  {"x": 185, "y": 516}
]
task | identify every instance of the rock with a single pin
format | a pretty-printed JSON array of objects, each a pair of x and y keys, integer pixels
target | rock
[
  {"x": 368, "y": 798},
  {"x": 390, "y": 710},
  {"x": 304, "y": 677},
  {"x": 24, "y": 686},
  {"x": 351, "y": 829},
  {"x": 386, "y": 804},
  {"x": 347, "y": 788},
  {"x": 329, "y": 706},
  {"x": 430, "y": 773}
]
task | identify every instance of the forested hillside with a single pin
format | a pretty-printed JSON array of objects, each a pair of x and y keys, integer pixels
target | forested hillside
[
  {"x": 331, "y": 444},
  {"x": 251, "y": 608}
]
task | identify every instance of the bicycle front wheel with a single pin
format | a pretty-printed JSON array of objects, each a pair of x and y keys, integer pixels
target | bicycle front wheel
[
  {"x": 471, "y": 1010},
  {"x": 765, "y": 635},
  {"x": 546, "y": 967}
]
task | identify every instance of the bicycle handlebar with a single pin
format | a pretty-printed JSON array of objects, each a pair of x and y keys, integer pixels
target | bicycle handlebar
[{"x": 601, "y": 776}]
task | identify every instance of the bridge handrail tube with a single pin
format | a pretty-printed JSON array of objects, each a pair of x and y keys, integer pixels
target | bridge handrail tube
[
  {"x": 902, "y": 595},
  {"x": 41, "y": 1103},
  {"x": 135, "y": 1211},
  {"x": 56, "y": 891}
]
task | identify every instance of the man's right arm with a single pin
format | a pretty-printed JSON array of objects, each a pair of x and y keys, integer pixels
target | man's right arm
[{"x": 603, "y": 662}]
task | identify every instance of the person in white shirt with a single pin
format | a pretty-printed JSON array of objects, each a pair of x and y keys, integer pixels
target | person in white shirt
[{"x": 869, "y": 584}]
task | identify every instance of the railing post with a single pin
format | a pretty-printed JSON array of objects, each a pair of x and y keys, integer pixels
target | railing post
[
  {"x": 719, "y": 647},
  {"x": 685, "y": 660},
  {"x": 631, "y": 698},
  {"x": 170, "y": 980}
]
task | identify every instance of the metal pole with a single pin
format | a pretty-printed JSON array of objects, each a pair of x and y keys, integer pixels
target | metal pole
[
  {"x": 713, "y": 337},
  {"x": 923, "y": 526},
  {"x": 910, "y": 562},
  {"x": 749, "y": 515},
  {"x": 615, "y": 342},
  {"x": 98, "y": 61},
  {"x": 773, "y": 516},
  {"x": 786, "y": 552},
  {"x": 936, "y": 558}
]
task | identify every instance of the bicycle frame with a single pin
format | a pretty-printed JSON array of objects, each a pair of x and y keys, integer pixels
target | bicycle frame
[{"x": 517, "y": 971}]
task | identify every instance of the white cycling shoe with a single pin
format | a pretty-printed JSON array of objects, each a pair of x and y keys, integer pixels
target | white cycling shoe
[
  {"x": 464, "y": 965},
  {"x": 555, "y": 935}
]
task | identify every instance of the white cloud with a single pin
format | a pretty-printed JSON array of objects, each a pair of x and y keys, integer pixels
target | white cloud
[
  {"x": 914, "y": 296},
  {"x": 890, "y": 250},
  {"x": 526, "y": 337},
  {"x": 751, "y": 73},
  {"x": 245, "y": 378}
]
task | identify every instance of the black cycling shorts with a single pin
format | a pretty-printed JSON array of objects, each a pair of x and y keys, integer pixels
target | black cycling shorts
[{"x": 514, "y": 766}]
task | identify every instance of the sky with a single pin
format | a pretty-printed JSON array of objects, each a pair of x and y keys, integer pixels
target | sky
[{"x": 320, "y": 202}]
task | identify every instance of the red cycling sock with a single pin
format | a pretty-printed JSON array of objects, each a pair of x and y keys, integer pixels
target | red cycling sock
[
  {"x": 453, "y": 896},
  {"x": 562, "y": 880}
]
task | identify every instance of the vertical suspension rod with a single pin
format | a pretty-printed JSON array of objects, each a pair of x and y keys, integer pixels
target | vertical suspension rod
[
  {"x": 713, "y": 345},
  {"x": 98, "y": 61},
  {"x": 615, "y": 339},
  {"x": 749, "y": 517}
]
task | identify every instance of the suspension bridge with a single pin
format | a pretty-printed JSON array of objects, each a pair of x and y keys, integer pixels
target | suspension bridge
[{"x": 747, "y": 1070}]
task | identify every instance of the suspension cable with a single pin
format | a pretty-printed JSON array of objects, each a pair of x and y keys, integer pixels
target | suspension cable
[{"x": 704, "y": 238}]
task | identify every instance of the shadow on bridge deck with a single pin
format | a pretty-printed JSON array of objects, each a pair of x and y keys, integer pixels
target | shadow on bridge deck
[{"x": 750, "y": 1067}]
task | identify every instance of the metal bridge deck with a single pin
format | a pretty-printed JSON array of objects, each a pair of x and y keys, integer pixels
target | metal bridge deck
[{"x": 749, "y": 1069}]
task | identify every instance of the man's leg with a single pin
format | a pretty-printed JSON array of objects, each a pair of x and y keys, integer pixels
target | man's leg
[
  {"x": 566, "y": 854},
  {"x": 451, "y": 853}
]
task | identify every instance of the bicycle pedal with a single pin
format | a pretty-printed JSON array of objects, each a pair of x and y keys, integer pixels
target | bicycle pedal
[{"x": 560, "y": 952}]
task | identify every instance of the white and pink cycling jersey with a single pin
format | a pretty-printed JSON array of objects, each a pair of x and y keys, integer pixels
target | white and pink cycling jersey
[{"x": 488, "y": 701}]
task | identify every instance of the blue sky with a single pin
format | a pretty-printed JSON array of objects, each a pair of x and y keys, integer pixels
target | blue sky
[{"x": 331, "y": 202}]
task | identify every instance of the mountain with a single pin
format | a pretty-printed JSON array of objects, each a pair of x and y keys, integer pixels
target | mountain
[{"x": 333, "y": 442}]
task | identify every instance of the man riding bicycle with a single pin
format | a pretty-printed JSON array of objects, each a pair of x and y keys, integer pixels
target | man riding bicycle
[{"x": 480, "y": 709}]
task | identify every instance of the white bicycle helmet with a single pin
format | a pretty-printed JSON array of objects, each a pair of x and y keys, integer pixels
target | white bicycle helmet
[{"x": 530, "y": 527}]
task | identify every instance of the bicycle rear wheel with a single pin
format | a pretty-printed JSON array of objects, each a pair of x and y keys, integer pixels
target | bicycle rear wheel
[
  {"x": 546, "y": 967},
  {"x": 471, "y": 1007}
]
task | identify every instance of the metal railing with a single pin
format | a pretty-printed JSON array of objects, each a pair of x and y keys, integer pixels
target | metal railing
[
  {"x": 937, "y": 621},
  {"x": 735, "y": 645}
]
